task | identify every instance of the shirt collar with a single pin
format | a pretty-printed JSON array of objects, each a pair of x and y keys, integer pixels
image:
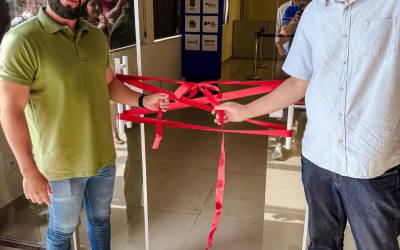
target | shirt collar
[
  {"x": 346, "y": 2},
  {"x": 52, "y": 26}
]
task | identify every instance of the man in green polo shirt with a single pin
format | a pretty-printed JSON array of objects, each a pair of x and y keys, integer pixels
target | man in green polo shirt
[{"x": 55, "y": 86}]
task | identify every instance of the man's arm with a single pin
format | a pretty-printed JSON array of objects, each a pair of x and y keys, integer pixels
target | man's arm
[
  {"x": 113, "y": 15},
  {"x": 13, "y": 100},
  {"x": 290, "y": 91},
  {"x": 288, "y": 30},
  {"x": 120, "y": 93},
  {"x": 279, "y": 46}
]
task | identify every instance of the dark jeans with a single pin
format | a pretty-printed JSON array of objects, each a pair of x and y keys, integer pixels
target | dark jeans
[{"x": 372, "y": 207}]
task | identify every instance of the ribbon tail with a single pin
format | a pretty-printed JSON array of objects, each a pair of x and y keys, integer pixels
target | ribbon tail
[
  {"x": 219, "y": 193},
  {"x": 159, "y": 134}
]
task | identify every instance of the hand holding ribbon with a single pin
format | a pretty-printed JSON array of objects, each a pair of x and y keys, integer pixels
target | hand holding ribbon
[
  {"x": 231, "y": 112},
  {"x": 184, "y": 97},
  {"x": 156, "y": 101}
]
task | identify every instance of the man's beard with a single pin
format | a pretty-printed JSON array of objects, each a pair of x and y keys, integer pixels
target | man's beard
[{"x": 65, "y": 11}]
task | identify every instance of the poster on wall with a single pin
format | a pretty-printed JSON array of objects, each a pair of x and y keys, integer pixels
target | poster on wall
[
  {"x": 192, "y": 42},
  {"x": 210, "y": 43},
  {"x": 210, "y": 24},
  {"x": 192, "y": 6},
  {"x": 210, "y": 6},
  {"x": 201, "y": 39},
  {"x": 192, "y": 24}
]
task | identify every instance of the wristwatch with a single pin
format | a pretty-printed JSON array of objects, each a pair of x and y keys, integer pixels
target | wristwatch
[{"x": 140, "y": 101}]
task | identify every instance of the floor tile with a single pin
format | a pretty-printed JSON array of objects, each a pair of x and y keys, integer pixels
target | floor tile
[
  {"x": 231, "y": 235},
  {"x": 243, "y": 198}
]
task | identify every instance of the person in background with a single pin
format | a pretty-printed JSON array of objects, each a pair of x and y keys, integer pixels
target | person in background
[
  {"x": 281, "y": 49},
  {"x": 123, "y": 31},
  {"x": 91, "y": 11},
  {"x": 4, "y": 18},
  {"x": 120, "y": 23},
  {"x": 288, "y": 15},
  {"x": 112, "y": 9},
  {"x": 290, "y": 20},
  {"x": 31, "y": 9},
  {"x": 107, "y": 6}
]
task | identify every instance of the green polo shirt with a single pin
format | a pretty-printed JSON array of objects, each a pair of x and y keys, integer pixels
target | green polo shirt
[{"x": 68, "y": 112}]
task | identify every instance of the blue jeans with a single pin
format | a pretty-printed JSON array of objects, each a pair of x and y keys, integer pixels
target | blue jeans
[
  {"x": 372, "y": 207},
  {"x": 96, "y": 192}
]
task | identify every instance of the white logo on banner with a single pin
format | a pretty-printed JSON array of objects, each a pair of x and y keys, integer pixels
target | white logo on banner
[
  {"x": 210, "y": 6},
  {"x": 210, "y": 24},
  {"x": 192, "y": 24},
  {"x": 210, "y": 43},
  {"x": 192, "y": 42},
  {"x": 192, "y": 6}
]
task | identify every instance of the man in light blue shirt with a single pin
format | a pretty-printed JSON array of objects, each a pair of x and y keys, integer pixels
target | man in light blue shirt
[{"x": 345, "y": 60}]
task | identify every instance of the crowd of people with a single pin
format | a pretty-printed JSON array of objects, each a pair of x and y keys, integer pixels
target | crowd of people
[{"x": 114, "y": 17}]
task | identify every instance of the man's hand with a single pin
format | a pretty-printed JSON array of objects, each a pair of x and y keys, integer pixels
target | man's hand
[
  {"x": 233, "y": 112},
  {"x": 296, "y": 19},
  {"x": 156, "y": 101},
  {"x": 281, "y": 50},
  {"x": 102, "y": 22},
  {"x": 13, "y": 100},
  {"x": 37, "y": 188}
]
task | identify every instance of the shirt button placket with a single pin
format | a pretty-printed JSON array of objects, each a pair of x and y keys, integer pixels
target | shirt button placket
[
  {"x": 343, "y": 88},
  {"x": 78, "y": 51}
]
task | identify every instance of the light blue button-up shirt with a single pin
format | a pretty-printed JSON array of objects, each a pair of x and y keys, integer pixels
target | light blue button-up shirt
[{"x": 350, "y": 53}]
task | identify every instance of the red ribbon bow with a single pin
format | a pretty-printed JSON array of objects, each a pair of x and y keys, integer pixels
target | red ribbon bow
[{"x": 194, "y": 88}]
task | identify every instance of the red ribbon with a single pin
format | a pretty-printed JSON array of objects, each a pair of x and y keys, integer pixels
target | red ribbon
[{"x": 181, "y": 101}]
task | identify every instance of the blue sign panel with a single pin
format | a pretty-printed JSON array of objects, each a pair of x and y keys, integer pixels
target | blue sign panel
[{"x": 202, "y": 39}]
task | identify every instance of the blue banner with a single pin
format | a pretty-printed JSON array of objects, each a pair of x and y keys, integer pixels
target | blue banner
[{"x": 202, "y": 39}]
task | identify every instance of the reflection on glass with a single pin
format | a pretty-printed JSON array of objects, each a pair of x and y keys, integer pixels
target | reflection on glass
[
  {"x": 127, "y": 214},
  {"x": 19, "y": 219},
  {"x": 225, "y": 15},
  {"x": 28, "y": 9},
  {"x": 91, "y": 11},
  {"x": 123, "y": 31},
  {"x": 133, "y": 187},
  {"x": 4, "y": 18},
  {"x": 167, "y": 20},
  {"x": 115, "y": 18}
]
